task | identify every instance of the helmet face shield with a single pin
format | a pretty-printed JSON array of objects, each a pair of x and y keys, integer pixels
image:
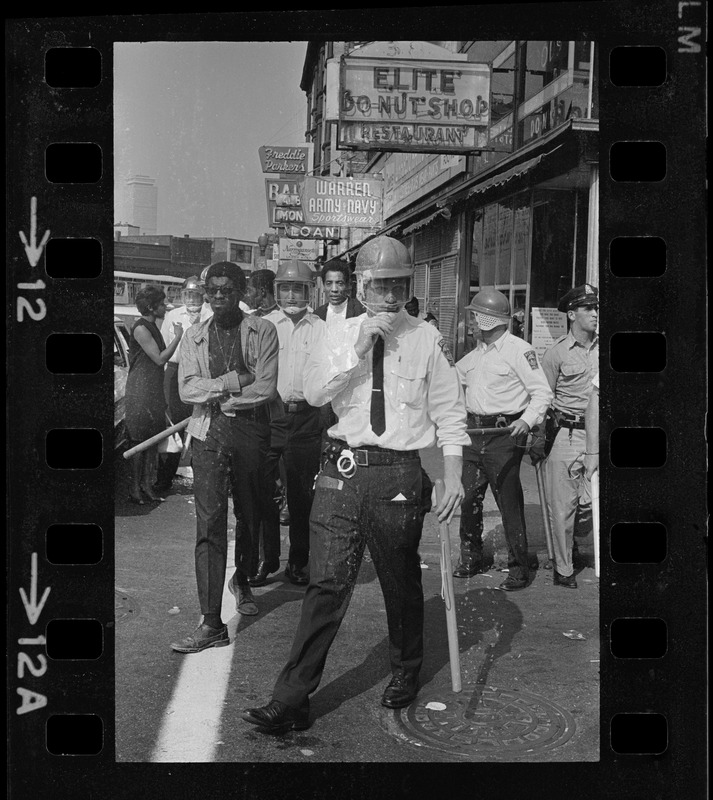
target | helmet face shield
[
  {"x": 380, "y": 295},
  {"x": 292, "y": 296},
  {"x": 192, "y": 298},
  {"x": 486, "y": 323}
]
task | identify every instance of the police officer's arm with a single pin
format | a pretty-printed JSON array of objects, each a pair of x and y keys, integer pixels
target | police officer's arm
[
  {"x": 264, "y": 382},
  {"x": 551, "y": 366},
  {"x": 446, "y": 407},
  {"x": 149, "y": 346},
  {"x": 194, "y": 387},
  {"x": 528, "y": 370}
]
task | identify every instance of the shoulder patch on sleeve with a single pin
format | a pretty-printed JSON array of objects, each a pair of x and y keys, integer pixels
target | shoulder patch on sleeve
[
  {"x": 446, "y": 350},
  {"x": 531, "y": 357}
]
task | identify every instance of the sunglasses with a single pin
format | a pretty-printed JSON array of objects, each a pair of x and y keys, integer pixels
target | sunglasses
[{"x": 226, "y": 291}]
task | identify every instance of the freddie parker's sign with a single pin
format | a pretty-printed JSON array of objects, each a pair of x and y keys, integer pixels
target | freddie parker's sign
[
  {"x": 348, "y": 202},
  {"x": 284, "y": 160},
  {"x": 407, "y": 105}
]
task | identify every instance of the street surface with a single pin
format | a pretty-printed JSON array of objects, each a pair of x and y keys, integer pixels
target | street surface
[{"x": 186, "y": 708}]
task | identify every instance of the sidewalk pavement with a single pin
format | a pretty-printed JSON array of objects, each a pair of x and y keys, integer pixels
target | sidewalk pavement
[{"x": 172, "y": 707}]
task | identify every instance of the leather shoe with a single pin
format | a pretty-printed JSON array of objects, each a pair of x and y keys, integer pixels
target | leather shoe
[
  {"x": 202, "y": 637},
  {"x": 400, "y": 692},
  {"x": 260, "y": 577},
  {"x": 296, "y": 575},
  {"x": 512, "y": 584},
  {"x": 466, "y": 570},
  {"x": 277, "y": 717},
  {"x": 569, "y": 581},
  {"x": 244, "y": 601}
]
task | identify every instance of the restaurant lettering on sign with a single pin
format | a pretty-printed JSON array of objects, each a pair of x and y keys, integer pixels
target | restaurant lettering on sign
[{"x": 413, "y": 105}]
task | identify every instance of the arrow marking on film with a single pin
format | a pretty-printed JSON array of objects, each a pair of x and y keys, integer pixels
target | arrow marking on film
[
  {"x": 33, "y": 250},
  {"x": 33, "y": 609}
]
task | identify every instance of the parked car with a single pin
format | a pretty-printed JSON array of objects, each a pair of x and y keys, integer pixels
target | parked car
[{"x": 122, "y": 337}]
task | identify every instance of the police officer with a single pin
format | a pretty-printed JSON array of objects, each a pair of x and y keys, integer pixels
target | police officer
[
  {"x": 296, "y": 436},
  {"x": 570, "y": 365},
  {"x": 394, "y": 389},
  {"x": 504, "y": 387},
  {"x": 187, "y": 314}
]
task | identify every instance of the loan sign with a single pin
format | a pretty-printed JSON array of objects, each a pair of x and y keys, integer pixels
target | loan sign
[
  {"x": 349, "y": 202},
  {"x": 400, "y": 104}
]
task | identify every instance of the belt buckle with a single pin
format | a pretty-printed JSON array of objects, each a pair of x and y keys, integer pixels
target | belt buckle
[
  {"x": 358, "y": 454},
  {"x": 501, "y": 421},
  {"x": 291, "y": 408}
]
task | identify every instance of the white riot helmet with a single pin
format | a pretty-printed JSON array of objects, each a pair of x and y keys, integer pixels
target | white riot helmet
[{"x": 383, "y": 258}]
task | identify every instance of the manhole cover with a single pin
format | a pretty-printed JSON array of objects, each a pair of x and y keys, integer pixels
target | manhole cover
[
  {"x": 125, "y": 607},
  {"x": 485, "y": 721}
]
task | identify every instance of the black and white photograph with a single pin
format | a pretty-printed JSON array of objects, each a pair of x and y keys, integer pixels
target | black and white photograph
[
  {"x": 311, "y": 486},
  {"x": 312, "y": 177}
]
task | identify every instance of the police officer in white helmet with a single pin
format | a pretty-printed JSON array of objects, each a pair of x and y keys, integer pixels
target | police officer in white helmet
[{"x": 394, "y": 388}]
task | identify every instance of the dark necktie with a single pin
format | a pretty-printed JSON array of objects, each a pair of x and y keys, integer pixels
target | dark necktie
[{"x": 378, "y": 416}]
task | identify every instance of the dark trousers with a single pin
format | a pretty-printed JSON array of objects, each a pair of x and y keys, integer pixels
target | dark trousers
[
  {"x": 347, "y": 515},
  {"x": 296, "y": 439},
  {"x": 177, "y": 412},
  {"x": 231, "y": 458},
  {"x": 494, "y": 460}
]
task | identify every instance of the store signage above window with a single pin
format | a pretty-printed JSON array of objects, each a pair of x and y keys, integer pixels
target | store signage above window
[
  {"x": 300, "y": 249},
  {"x": 350, "y": 202},
  {"x": 331, "y": 232},
  {"x": 407, "y": 105},
  {"x": 285, "y": 160},
  {"x": 284, "y": 205}
]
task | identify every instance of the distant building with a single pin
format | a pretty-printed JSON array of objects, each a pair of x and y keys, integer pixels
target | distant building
[
  {"x": 239, "y": 251},
  {"x": 179, "y": 256},
  {"x": 124, "y": 229},
  {"x": 141, "y": 203}
]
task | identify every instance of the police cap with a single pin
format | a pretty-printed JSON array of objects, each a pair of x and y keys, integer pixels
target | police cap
[{"x": 585, "y": 295}]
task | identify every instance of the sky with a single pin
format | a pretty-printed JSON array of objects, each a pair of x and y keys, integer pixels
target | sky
[{"x": 192, "y": 115}]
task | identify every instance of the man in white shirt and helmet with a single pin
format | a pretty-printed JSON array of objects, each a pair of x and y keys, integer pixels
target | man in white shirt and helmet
[
  {"x": 505, "y": 387},
  {"x": 394, "y": 388},
  {"x": 296, "y": 436}
]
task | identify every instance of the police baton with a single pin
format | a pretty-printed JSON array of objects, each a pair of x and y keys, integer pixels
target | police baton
[
  {"x": 595, "y": 519},
  {"x": 132, "y": 451},
  {"x": 545, "y": 513},
  {"x": 490, "y": 431},
  {"x": 448, "y": 595}
]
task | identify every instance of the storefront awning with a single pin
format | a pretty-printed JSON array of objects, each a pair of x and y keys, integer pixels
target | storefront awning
[
  {"x": 422, "y": 222},
  {"x": 504, "y": 177}
]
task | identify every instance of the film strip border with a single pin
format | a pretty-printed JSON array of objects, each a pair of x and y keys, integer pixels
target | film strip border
[{"x": 652, "y": 222}]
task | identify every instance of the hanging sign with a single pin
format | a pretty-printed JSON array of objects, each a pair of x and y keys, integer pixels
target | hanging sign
[
  {"x": 409, "y": 105},
  {"x": 284, "y": 160},
  {"x": 349, "y": 202},
  {"x": 284, "y": 204},
  {"x": 300, "y": 249}
]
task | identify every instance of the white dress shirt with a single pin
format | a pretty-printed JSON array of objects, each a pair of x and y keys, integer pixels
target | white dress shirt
[
  {"x": 297, "y": 341},
  {"x": 423, "y": 399},
  {"x": 505, "y": 377},
  {"x": 336, "y": 318}
]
